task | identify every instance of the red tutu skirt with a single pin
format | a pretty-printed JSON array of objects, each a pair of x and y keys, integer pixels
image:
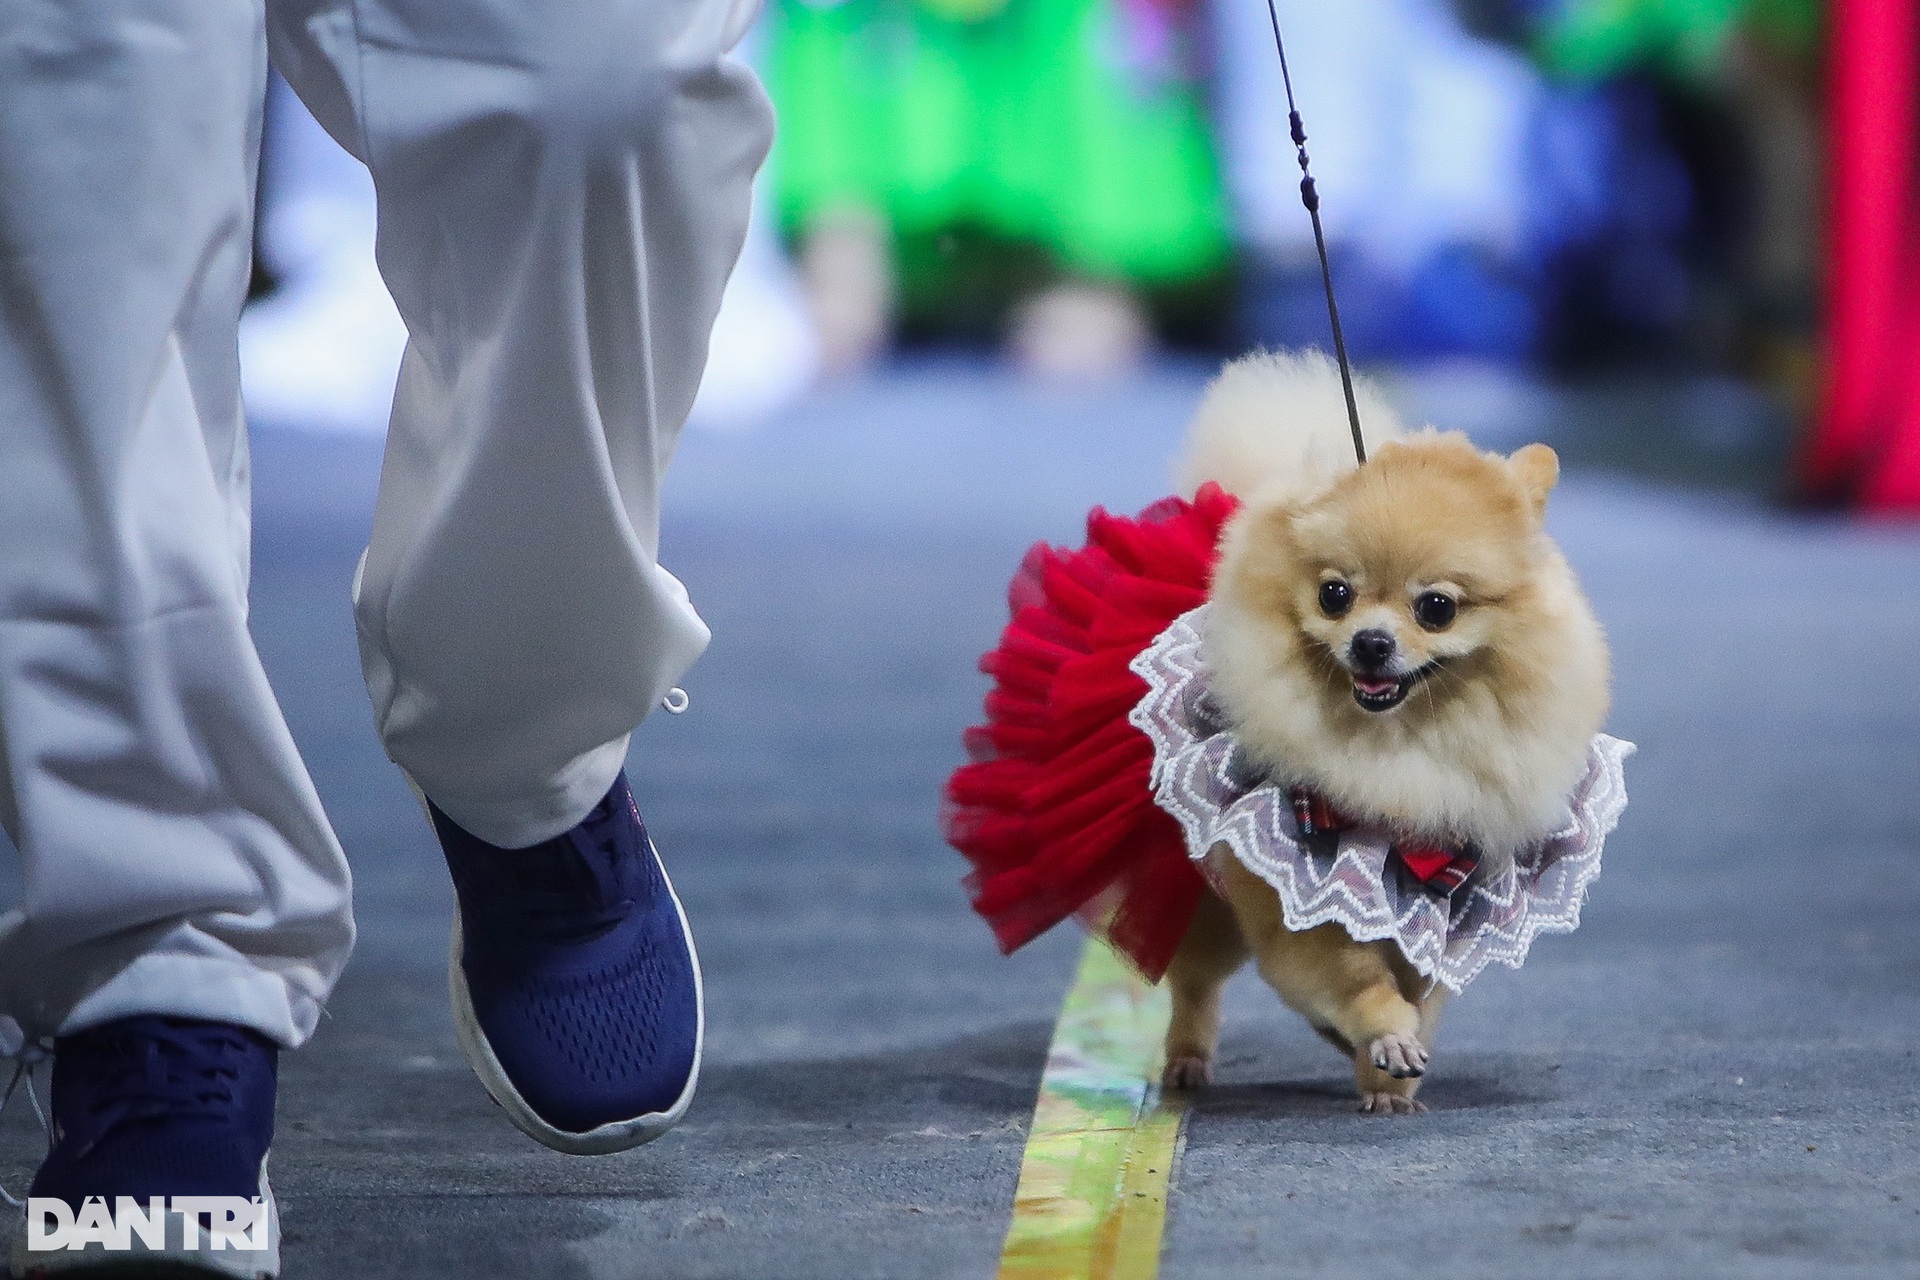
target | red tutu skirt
[{"x": 1055, "y": 810}]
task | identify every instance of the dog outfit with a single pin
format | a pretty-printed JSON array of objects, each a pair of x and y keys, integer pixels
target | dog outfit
[
  {"x": 1105, "y": 779},
  {"x": 563, "y": 189}
]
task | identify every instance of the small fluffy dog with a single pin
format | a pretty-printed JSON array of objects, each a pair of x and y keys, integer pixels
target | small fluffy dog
[{"x": 1406, "y": 639}]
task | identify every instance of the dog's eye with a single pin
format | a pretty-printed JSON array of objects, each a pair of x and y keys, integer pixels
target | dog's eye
[
  {"x": 1336, "y": 597},
  {"x": 1434, "y": 610}
]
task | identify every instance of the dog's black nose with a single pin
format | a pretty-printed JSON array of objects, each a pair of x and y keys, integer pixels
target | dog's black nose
[{"x": 1372, "y": 648}]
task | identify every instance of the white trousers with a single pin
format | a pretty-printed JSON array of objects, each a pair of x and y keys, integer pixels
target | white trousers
[{"x": 563, "y": 188}]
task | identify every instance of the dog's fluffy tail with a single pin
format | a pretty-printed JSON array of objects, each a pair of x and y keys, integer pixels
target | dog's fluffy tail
[{"x": 1275, "y": 424}]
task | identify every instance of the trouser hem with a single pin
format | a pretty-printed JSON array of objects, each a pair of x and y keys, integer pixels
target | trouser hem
[{"x": 213, "y": 988}]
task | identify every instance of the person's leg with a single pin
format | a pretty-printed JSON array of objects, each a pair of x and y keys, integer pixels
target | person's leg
[
  {"x": 177, "y": 860},
  {"x": 185, "y": 910},
  {"x": 563, "y": 189}
]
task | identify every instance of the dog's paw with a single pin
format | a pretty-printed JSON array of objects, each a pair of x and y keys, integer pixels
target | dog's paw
[
  {"x": 1390, "y": 1104},
  {"x": 1187, "y": 1071},
  {"x": 1399, "y": 1055}
]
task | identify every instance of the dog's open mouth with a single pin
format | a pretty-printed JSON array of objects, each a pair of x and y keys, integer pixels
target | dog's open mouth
[{"x": 1384, "y": 693}]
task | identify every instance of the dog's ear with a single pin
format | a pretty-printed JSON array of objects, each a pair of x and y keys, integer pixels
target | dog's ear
[{"x": 1537, "y": 468}]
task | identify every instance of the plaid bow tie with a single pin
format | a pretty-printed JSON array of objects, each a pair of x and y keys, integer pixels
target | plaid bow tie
[{"x": 1439, "y": 868}]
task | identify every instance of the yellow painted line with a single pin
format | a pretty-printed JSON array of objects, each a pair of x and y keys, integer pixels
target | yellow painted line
[{"x": 1092, "y": 1199}]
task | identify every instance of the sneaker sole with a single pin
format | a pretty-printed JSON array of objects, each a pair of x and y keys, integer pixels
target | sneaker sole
[
  {"x": 619, "y": 1135},
  {"x": 173, "y": 1261}
]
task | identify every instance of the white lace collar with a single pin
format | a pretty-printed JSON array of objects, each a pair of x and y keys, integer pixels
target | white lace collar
[{"x": 1203, "y": 779}]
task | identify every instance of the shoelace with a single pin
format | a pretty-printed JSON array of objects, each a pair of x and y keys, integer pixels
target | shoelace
[
  {"x": 577, "y": 896},
  {"x": 165, "y": 1071},
  {"x": 25, "y": 1056},
  {"x": 559, "y": 917}
]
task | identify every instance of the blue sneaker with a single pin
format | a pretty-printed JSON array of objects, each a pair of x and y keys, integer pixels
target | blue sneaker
[
  {"x": 576, "y": 991},
  {"x": 158, "y": 1106}
]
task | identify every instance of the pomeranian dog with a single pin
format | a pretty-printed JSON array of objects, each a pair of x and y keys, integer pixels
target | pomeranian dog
[{"x": 1404, "y": 637}]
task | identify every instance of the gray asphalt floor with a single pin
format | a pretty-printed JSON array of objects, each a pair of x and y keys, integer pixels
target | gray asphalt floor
[{"x": 1715, "y": 1077}]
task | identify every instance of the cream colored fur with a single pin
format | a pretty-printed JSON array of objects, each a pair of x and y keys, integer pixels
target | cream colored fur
[
  {"x": 1276, "y": 421},
  {"x": 1492, "y": 761},
  {"x": 1481, "y": 766},
  {"x": 1496, "y": 712}
]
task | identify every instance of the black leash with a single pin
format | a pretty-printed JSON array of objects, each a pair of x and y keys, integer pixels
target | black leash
[{"x": 1311, "y": 198}]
